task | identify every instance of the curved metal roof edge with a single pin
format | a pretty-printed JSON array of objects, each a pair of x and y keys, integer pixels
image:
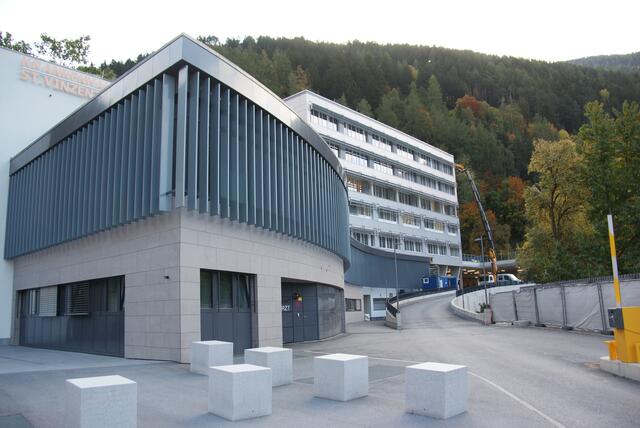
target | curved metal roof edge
[
  {"x": 187, "y": 49},
  {"x": 388, "y": 254}
]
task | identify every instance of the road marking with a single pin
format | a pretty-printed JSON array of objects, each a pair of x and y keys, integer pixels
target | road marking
[
  {"x": 484, "y": 379},
  {"x": 520, "y": 400}
]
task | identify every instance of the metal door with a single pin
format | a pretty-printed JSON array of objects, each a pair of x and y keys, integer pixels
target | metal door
[{"x": 226, "y": 308}]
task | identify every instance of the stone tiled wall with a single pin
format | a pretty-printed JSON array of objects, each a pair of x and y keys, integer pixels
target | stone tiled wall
[
  {"x": 147, "y": 254},
  {"x": 215, "y": 243},
  {"x": 161, "y": 258}
]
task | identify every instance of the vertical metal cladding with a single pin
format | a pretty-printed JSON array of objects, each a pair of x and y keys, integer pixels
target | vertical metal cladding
[{"x": 182, "y": 139}]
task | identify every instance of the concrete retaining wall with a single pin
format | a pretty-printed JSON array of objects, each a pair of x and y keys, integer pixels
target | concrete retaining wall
[{"x": 468, "y": 305}]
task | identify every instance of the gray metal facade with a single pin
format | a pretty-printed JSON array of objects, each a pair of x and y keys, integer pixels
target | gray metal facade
[
  {"x": 320, "y": 313},
  {"x": 371, "y": 267},
  {"x": 185, "y": 128}
]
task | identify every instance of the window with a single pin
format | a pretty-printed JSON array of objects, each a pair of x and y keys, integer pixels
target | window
[
  {"x": 352, "y": 305},
  {"x": 113, "y": 295},
  {"x": 442, "y": 249},
  {"x": 362, "y": 237},
  {"x": 29, "y": 303},
  {"x": 410, "y": 220},
  {"x": 404, "y": 152},
  {"x": 225, "y": 291},
  {"x": 356, "y": 158},
  {"x": 357, "y": 185},
  {"x": 447, "y": 188},
  {"x": 389, "y": 242},
  {"x": 383, "y": 167},
  {"x": 432, "y": 248},
  {"x": 448, "y": 169},
  {"x": 437, "y": 207},
  {"x": 439, "y": 226},
  {"x": 429, "y": 224},
  {"x": 425, "y": 203},
  {"x": 424, "y": 160},
  {"x": 454, "y": 251},
  {"x": 334, "y": 149},
  {"x": 324, "y": 120},
  {"x": 427, "y": 181},
  {"x": 244, "y": 292},
  {"x": 408, "y": 199},
  {"x": 450, "y": 210},
  {"x": 355, "y": 132},
  {"x": 452, "y": 229},
  {"x": 384, "y": 192},
  {"x": 412, "y": 245},
  {"x": 380, "y": 142},
  {"x": 379, "y": 304},
  {"x": 388, "y": 216},
  {"x": 74, "y": 299},
  {"x": 360, "y": 210},
  {"x": 407, "y": 175},
  {"x": 206, "y": 295}
]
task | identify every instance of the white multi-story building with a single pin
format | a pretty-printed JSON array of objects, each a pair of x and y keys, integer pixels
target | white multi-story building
[{"x": 402, "y": 191}]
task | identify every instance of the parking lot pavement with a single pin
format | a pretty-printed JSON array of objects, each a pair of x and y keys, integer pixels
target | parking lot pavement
[{"x": 518, "y": 377}]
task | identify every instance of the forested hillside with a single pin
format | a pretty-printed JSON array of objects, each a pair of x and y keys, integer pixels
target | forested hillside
[
  {"x": 486, "y": 110},
  {"x": 628, "y": 62}
]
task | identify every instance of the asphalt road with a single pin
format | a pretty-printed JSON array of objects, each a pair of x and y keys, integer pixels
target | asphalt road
[
  {"x": 519, "y": 377},
  {"x": 551, "y": 372}
]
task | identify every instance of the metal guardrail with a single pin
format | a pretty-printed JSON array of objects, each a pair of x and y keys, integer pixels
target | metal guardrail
[
  {"x": 476, "y": 258},
  {"x": 404, "y": 296},
  {"x": 466, "y": 290}
]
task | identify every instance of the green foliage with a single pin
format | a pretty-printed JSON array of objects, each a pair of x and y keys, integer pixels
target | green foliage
[
  {"x": 6, "y": 41},
  {"x": 560, "y": 241},
  {"x": 364, "y": 107},
  {"x": 68, "y": 52},
  {"x": 610, "y": 145},
  {"x": 627, "y": 62}
]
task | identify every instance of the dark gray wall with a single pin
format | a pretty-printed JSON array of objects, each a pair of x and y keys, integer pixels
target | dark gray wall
[
  {"x": 371, "y": 267},
  {"x": 98, "y": 332},
  {"x": 330, "y": 311},
  {"x": 318, "y": 316},
  {"x": 181, "y": 139}
]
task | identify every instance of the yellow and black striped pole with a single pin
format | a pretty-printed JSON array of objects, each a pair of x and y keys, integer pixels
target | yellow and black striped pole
[{"x": 614, "y": 262}]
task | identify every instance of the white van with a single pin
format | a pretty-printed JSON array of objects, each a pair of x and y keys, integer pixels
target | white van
[{"x": 503, "y": 279}]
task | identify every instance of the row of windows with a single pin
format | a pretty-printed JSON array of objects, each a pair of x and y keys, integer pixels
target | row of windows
[
  {"x": 353, "y": 131},
  {"x": 416, "y": 245},
  {"x": 82, "y": 298},
  {"x": 411, "y": 220},
  {"x": 362, "y": 186},
  {"x": 361, "y": 159},
  {"x": 324, "y": 120}
]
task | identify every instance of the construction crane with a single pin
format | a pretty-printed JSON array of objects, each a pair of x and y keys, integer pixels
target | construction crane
[{"x": 485, "y": 222}]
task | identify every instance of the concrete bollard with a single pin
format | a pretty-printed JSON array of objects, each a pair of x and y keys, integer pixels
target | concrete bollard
[
  {"x": 341, "y": 377},
  {"x": 436, "y": 390},
  {"x": 205, "y": 354},
  {"x": 240, "y": 391},
  {"x": 104, "y": 401},
  {"x": 279, "y": 360}
]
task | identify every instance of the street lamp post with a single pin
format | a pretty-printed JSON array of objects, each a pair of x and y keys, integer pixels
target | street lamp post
[{"x": 484, "y": 272}]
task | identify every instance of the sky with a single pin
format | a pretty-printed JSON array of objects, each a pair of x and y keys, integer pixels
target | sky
[{"x": 542, "y": 29}]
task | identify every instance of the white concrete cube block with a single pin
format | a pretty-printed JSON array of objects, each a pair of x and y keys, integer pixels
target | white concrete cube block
[
  {"x": 208, "y": 353},
  {"x": 279, "y": 360},
  {"x": 341, "y": 377},
  {"x": 436, "y": 390},
  {"x": 104, "y": 401},
  {"x": 240, "y": 391}
]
